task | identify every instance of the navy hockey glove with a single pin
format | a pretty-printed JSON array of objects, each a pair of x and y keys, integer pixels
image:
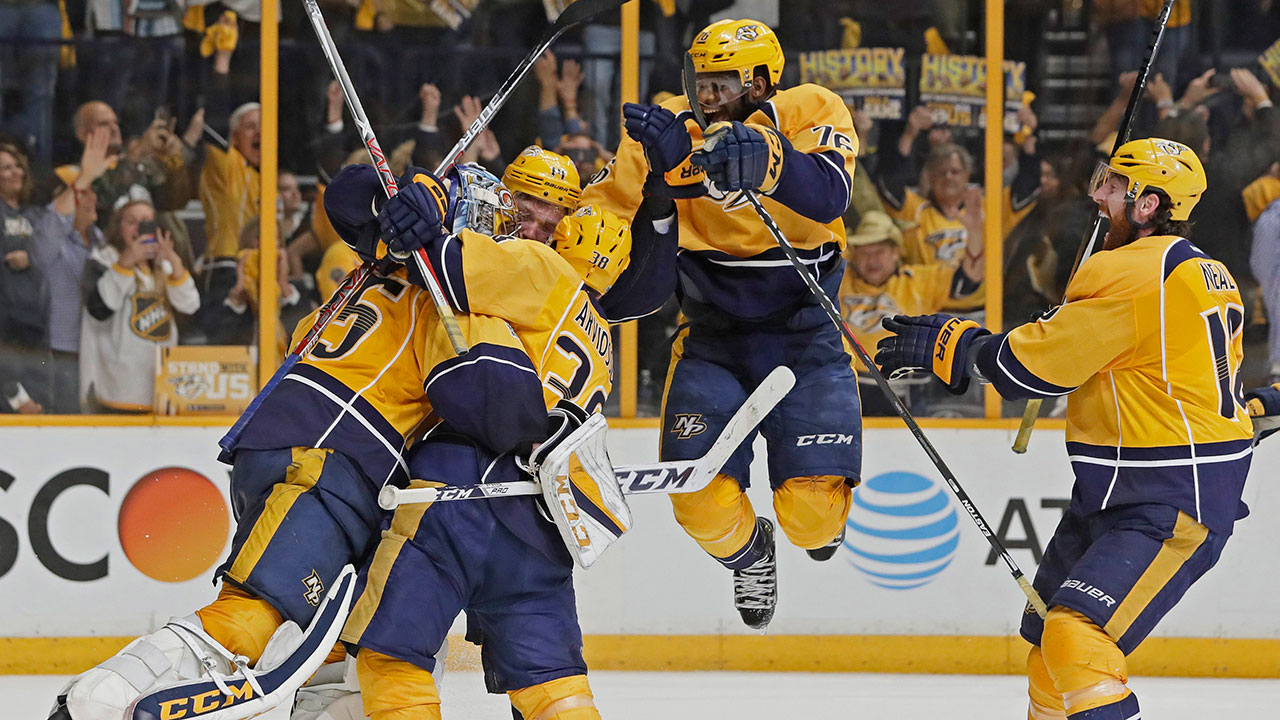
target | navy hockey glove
[
  {"x": 414, "y": 217},
  {"x": 939, "y": 343},
  {"x": 1264, "y": 409},
  {"x": 737, "y": 156},
  {"x": 665, "y": 139}
]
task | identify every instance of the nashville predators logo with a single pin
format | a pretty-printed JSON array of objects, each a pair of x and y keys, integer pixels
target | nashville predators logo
[
  {"x": 1169, "y": 147},
  {"x": 687, "y": 425},
  {"x": 315, "y": 589},
  {"x": 747, "y": 32},
  {"x": 150, "y": 317},
  {"x": 864, "y": 312}
]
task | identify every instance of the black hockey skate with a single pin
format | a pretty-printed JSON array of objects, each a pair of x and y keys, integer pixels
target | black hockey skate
[
  {"x": 826, "y": 552},
  {"x": 60, "y": 711},
  {"x": 755, "y": 587}
]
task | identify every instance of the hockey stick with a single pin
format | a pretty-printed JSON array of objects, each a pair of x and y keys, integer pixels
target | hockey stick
[
  {"x": 1090, "y": 239},
  {"x": 676, "y": 476},
  {"x": 385, "y": 175},
  {"x": 577, "y": 13},
  {"x": 789, "y": 250}
]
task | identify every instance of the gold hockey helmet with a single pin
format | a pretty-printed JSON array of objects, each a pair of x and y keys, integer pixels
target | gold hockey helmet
[
  {"x": 596, "y": 243},
  {"x": 544, "y": 175},
  {"x": 740, "y": 46},
  {"x": 1156, "y": 163}
]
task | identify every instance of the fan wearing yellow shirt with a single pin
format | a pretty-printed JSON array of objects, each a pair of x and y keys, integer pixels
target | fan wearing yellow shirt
[
  {"x": 878, "y": 285},
  {"x": 1147, "y": 347}
]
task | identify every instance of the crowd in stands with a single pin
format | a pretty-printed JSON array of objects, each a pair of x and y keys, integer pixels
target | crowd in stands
[{"x": 131, "y": 141}]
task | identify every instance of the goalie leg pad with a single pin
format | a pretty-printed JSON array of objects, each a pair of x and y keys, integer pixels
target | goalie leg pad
[
  {"x": 567, "y": 698},
  {"x": 207, "y": 682},
  {"x": 812, "y": 510},
  {"x": 719, "y": 517},
  {"x": 396, "y": 689}
]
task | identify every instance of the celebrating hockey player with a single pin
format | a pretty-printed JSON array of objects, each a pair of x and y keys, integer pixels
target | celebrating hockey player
[
  {"x": 1148, "y": 347},
  {"x": 546, "y": 188},
  {"x": 310, "y": 459},
  {"x": 746, "y": 309},
  {"x": 499, "y": 559}
]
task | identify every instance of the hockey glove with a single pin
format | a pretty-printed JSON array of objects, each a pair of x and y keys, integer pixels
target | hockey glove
[
  {"x": 939, "y": 343},
  {"x": 737, "y": 156},
  {"x": 1264, "y": 409},
  {"x": 665, "y": 139},
  {"x": 414, "y": 217}
]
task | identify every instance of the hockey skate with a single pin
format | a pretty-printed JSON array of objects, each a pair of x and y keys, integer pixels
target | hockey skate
[
  {"x": 755, "y": 587},
  {"x": 826, "y": 552}
]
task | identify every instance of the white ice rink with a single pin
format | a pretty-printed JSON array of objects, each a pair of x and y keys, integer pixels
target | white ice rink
[{"x": 795, "y": 696}]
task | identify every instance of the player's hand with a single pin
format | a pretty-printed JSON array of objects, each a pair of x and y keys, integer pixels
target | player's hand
[
  {"x": 1264, "y": 409},
  {"x": 414, "y": 218},
  {"x": 665, "y": 140},
  {"x": 737, "y": 156},
  {"x": 937, "y": 343}
]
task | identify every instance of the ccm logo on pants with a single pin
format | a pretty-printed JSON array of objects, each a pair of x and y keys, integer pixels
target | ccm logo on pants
[{"x": 824, "y": 439}]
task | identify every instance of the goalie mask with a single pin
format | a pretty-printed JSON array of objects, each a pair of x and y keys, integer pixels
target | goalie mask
[{"x": 478, "y": 201}]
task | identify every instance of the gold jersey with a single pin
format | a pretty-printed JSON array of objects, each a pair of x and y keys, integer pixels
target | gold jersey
[
  {"x": 1148, "y": 344},
  {"x": 381, "y": 371},
  {"x": 529, "y": 285},
  {"x": 727, "y": 257}
]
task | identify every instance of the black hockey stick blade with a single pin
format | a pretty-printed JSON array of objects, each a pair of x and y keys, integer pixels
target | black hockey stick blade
[
  {"x": 583, "y": 10},
  {"x": 690, "y": 80}
]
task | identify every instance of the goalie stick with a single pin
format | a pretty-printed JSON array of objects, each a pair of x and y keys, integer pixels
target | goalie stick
[
  {"x": 691, "y": 93},
  {"x": 575, "y": 14},
  {"x": 1032, "y": 411},
  {"x": 675, "y": 476}
]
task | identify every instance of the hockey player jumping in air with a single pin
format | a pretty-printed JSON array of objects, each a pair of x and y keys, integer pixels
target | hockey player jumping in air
[
  {"x": 745, "y": 308},
  {"x": 1148, "y": 348}
]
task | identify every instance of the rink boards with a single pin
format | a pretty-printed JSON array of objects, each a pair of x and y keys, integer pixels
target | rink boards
[{"x": 106, "y": 532}]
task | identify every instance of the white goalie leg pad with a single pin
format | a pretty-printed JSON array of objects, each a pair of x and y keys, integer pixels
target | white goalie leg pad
[
  {"x": 181, "y": 672},
  {"x": 582, "y": 493},
  {"x": 333, "y": 693}
]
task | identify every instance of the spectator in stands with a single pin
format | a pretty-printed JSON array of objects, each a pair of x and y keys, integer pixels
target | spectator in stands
[
  {"x": 230, "y": 189},
  {"x": 155, "y": 166},
  {"x": 67, "y": 234},
  {"x": 485, "y": 149},
  {"x": 1263, "y": 201},
  {"x": 878, "y": 285},
  {"x": 24, "y": 295},
  {"x": 235, "y": 318},
  {"x": 296, "y": 236},
  {"x": 1129, "y": 25},
  {"x": 138, "y": 47},
  {"x": 941, "y": 211},
  {"x": 588, "y": 156},
  {"x": 557, "y": 99},
  {"x": 133, "y": 284},
  {"x": 33, "y": 72}
]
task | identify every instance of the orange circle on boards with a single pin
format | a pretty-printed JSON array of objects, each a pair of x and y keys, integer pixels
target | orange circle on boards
[{"x": 173, "y": 524}]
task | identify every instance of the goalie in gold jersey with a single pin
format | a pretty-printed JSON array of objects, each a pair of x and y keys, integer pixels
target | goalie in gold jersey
[
  {"x": 1148, "y": 348},
  {"x": 747, "y": 310}
]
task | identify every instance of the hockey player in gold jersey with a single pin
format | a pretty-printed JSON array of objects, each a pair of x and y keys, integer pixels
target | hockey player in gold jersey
[
  {"x": 746, "y": 309},
  {"x": 1147, "y": 347}
]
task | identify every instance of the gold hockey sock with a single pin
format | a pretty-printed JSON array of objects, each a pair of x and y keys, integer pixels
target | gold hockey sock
[
  {"x": 1087, "y": 667},
  {"x": 241, "y": 621},
  {"x": 1046, "y": 702},
  {"x": 394, "y": 689},
  {"x": 719, "y": 517},
  {"x": 562, "y": 699}
]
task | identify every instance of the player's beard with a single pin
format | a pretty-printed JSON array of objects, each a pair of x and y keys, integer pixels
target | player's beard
[{"x": 1120, "y": 230}]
